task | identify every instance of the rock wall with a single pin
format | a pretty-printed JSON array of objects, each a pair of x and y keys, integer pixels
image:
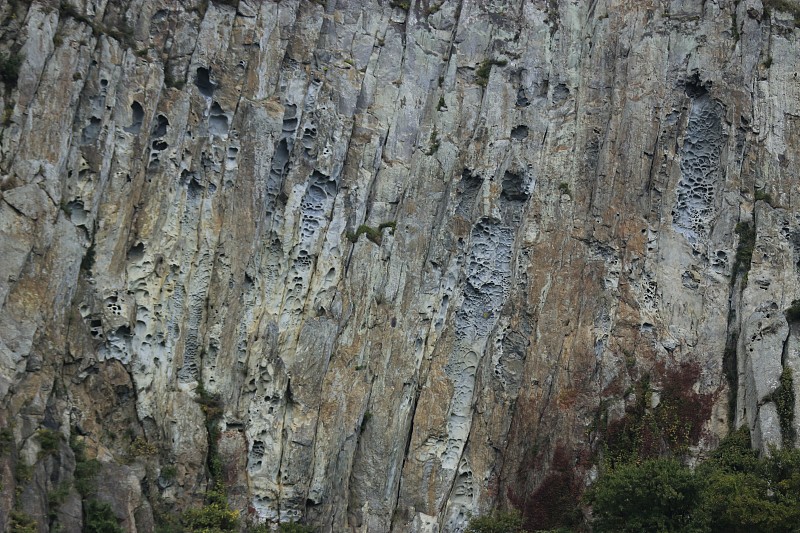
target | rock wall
[{"x": 417, "y": 248}]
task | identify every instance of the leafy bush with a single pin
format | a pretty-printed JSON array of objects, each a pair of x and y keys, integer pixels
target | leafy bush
[
  {"x": 100, "y": 518},
  {"x": 141, "y": 448},
  {"x": 784, "y": 402},
  {"x": 496, "y": 522},
  {"x": 793, "y": 312},
  {"x": 56, "y": 497},
  {"x": 85, "y": 469},
  {"x": 483, "y": 71},
  {"x": 732, "y": 492},
  {"x": 9, "y": 68},
  {"x": 656, "y": 495},
  {"x": 49, "y": 441},
  {"x": 22, "y": 523},
  {"x": 215, "y": 516},
  {"x": 169, "y": 472},
  {"x": 373, "y": 234},
  {"x": 761, "y": 194},
  {"x": 213, "y": 408},
  {"x": 6, "y": 441}
]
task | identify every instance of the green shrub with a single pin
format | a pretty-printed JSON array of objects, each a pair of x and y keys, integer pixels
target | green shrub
[
  {"x": 85, "y": 469},
  {"x": 213, "y": 408},
  {"x": 6, "y": 441},
  {"x": 9, "y": 68},
  {"x": 141, "y": 448},
  {"x": 56, "y": 497},
  {"x": 214, "y": 516},
  {"x": 496, "y": 522},
  {"x": 49, "y": 441},
  {"x": 647, "y": 432},
  {"x": 761, "y": 194},
  {"x": 22, "y": 523},
  {"x": 734, "y": 491},
  {"x": 100, "y": 518},
  {"x": 482, "y": 72},
  {"x": 434, "y": 142},
  {"x": 373, "y": 234},
  {"x": 784, "y": 402},
  {"x": 656, "y": 495},
  {"x": 23, "y": 472},
  {"x": 793, "y": 312},
  {"x": 169, "y": 472}
]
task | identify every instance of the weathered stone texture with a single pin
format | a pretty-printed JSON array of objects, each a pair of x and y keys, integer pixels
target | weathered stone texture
[{"x": 551, "y": 191}]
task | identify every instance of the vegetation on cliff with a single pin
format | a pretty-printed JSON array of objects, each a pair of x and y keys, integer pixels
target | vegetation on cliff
[{"x": 734, "y": 490}]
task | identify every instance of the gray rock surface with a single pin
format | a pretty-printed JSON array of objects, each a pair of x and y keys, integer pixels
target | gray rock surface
[{"x": 414, "y": 250}]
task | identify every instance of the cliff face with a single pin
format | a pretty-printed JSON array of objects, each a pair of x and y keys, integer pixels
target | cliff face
[{"x": 418, "y": 250}]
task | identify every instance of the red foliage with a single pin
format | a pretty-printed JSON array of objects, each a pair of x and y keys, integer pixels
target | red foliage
[
  {"x": 675, "y": 423},
  {"x": 554, "y": 503}
]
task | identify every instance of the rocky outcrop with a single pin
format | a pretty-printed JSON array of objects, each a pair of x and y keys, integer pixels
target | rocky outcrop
[{"x": 417, "y": 249}]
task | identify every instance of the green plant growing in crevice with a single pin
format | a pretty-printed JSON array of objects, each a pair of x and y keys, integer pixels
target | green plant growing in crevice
[
  {"x": 214, "y": 516},
  {"x": 9, "y": 69},
  {"x": 168, "y": 473},
  {"x": 483, "y": 71},
  {"x": 434, "y": 8},
  {"x": 23, "y": 472},
  {"x": 485, "y": 68},
  {"x": 563, "y": 188},
  {"x": 22, "y": 523},
  {"x": 86, "y": 470},
  {"x": 99, "y": 518},
  {"x": 433, "y": 142},
  {"x": 140, "y": 447},
  {"x": 6, "y": 441},
  {"x": 744, "y": 251},
  {"x": 55, "y": 498},
  {"x": 669, "y": 428},
  {"x": 170, "y": 81},
  {"x": 792, "y": 313},
  {"x": 373, "y": 234},
  {"x": 787, "y": 6},
  {"x": 784, "y": 403},
  {"x": 212, "y": 407},
  {"x": 400, "y": 4},
  {"x": 49, "y": 441},
  {"x": 730, "y": 369},
  {"x": 761, "y": 194}
]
